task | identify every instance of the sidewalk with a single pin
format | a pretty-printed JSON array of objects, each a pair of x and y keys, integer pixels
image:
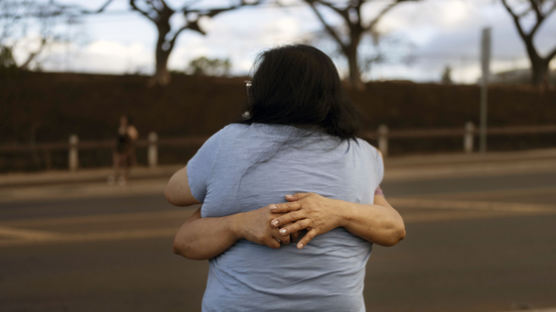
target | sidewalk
[
  {"x": 95, "y": 175},
  {"x": 401, "y": 167},
  {"x": 85, "y": 183},
  {"x": 494, "y": 163}
]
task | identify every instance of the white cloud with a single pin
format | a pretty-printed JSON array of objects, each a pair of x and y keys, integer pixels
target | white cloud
[
  {"x": 101, "y": 56},
  {"x": 415, "y": 16},
  {"x": 281, "y": 31},
  {"x": 230, "y": 36},
  {"x": 443, "y": 32}
]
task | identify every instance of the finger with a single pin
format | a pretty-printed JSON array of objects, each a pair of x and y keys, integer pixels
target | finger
[
  {"x": 272, "y": 243},
  {"x": 296, "y": 196},
  {"x": 288, "y": 218},
  {"x": 295, "y": 227},
  {"x": 282, "y": 239},
  {"x": 284, "y": 207},
  {"x": 286, "y": 240},
  {"x": 307, "y": 238}
]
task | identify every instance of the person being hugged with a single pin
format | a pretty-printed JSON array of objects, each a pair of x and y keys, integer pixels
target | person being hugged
[{"x": 290, "y": 197}]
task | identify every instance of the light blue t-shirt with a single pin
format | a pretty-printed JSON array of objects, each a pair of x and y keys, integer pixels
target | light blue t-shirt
[{"x": 246, "y": 167}]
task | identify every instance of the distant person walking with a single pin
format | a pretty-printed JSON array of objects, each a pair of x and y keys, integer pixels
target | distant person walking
[{"x": 124, "y": 155}]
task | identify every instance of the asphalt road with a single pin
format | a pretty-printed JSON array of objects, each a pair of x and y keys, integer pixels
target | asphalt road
[{"x": 475, "y": 243}]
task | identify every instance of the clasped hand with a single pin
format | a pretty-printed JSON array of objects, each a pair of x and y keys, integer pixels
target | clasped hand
[{"x": 278, "y": 224}]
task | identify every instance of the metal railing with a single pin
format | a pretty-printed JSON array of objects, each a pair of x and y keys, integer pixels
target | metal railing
[{"x": 382, "y": 135}]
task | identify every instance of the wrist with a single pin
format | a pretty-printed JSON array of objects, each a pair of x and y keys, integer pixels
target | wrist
[
  {"x": 342, "y": 210},
  {"x": 346, "y": 213},
  {"x": 234, "y": 224}
]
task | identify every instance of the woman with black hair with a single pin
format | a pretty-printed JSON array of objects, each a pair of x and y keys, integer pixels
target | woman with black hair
[{"x": 296, "y": 156}]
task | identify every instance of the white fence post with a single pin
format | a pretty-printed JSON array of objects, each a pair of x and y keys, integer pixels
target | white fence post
[
  {"x": 152, "y": 151},
  {"x": 73, "y": 154},
  {"x": 383, "y": 139},
  {"x": 468, "y": 137}
]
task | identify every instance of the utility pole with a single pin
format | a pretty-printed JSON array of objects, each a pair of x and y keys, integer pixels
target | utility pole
[{"x": 485, "y": 69}]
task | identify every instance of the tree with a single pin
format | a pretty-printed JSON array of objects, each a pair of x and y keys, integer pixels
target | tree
[
  {"x": 447, "y": 75},
  {"x": 355, "y": 26},
  {"x": 204, "y": 66},
  {"x": 538, "y": 11},
  {"x": 160, "y": 13},
  {"x": 18, "y": 17},
  {"x": 6, "y": 58}
]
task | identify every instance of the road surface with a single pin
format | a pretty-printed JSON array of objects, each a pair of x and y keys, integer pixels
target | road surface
[{"x": 477, "y": 240}]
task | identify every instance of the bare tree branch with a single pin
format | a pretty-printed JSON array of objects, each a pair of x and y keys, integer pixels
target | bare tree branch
[
  {"x": 539, "y": 64},
  {"x": 100, "y": 9},
  {"x": 146, "y": 14},
  {"x": 57, "y": 9},
  {"x": 372, "y": 24},
  {"x": 327, "y": 26},
  {"x": 19, "y": 16},
  {"x": 34, "y": 54},
  {"x": 160, "y": 13},
  {"x": 344, "y": 13},
  {"x": 537, "y": 10},
  {"x": 351, "y": 14},
  {"x": 516, "y": 19}
]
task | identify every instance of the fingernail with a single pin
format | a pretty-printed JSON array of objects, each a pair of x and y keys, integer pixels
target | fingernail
[
  {"x": 273, "y": 206},
  {"x": 289, "y": 195},
  {"x": 300, "y": 245},
  {"x": 274, "y": 222},
  {"x": 282, "y": 231}
]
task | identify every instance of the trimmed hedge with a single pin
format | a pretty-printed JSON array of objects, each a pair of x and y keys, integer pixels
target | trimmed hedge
[{"x": 46, "y": 107}]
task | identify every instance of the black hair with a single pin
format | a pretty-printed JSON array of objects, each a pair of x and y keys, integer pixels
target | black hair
[{"x": 299, "y": 85}]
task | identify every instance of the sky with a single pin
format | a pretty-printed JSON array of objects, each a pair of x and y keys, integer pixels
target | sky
[{"x": 417, "y": 39}]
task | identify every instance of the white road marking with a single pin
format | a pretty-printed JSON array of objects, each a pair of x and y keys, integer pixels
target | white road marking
[
  {"x": 449, "y": 216},
  {"x": 551, "y": 309},
  {"x": 28, "y": 235},
  {"x": 105, "y": 218},
  {"x": 472, "y": 205},
  {"x": 14, "y": 233},
  {"x": 92, "y": 237},
  {"x": 494, "y": 193}
]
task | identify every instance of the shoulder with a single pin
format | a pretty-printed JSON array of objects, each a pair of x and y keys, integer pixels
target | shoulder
[
  {"x": 368, "y": 148},
  {"x": 228, "y": 132},
  {"x": 231, "y": 130},
  {"x": 374, "y": 156}
]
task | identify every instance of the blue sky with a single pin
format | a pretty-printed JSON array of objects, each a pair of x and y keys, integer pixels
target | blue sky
[{"x": 419, "y": 38}]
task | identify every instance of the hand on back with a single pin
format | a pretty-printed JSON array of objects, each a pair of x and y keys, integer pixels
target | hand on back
[
  {"x": 255, "y": 226},
  {"x": 306, "y": 211},
  {"x": 283, "y": 223}
]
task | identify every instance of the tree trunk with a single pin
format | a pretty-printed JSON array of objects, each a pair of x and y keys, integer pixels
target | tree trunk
[
  {"x": 161, "y": 75},
  {"x": 539, "y": 65},
  {"x": 353, "y": 65},
  {"x": 539, "y": 72}
]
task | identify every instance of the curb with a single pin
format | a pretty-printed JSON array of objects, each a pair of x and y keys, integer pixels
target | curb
[{"x": 400, "y": 167}]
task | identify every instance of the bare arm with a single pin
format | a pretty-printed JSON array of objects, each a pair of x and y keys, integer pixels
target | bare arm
[
  {"x": 177, "y": 190},
  {"x": 205, "y": 238},
  {"x": 378, "y": 223}
]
